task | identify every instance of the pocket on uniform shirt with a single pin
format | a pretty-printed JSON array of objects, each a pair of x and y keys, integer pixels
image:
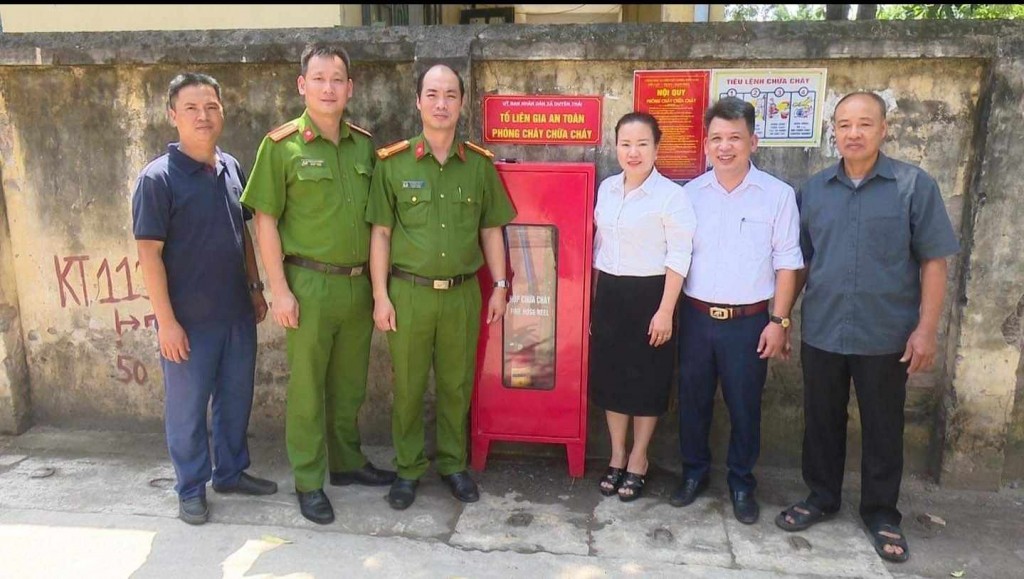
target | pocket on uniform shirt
[
  {"x": 755, "y": 239},
  {"x": 467, "y": 206},
  {"x": 413, "y": 205},
  {"x": 362, "y": 185},
  {"x": 314, "y": 174},
  {"x": 313, "y": 184}
]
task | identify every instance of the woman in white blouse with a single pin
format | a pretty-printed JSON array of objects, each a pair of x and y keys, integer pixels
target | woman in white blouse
[{"x": 645, "y": 226}]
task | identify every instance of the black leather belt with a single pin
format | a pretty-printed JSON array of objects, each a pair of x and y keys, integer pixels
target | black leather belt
[
  {"x": 727, "y": 312},
  {"x": 325, "y": 267},
  {"x": 438, "y": 284}
]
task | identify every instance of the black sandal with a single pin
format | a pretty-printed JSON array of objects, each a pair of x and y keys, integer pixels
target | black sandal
[
  {"x": 801, "y": 521},
  {"x": 612, "y": 476},
  {"x": 635, "y": 483},
  {"x": 880, "y": 541}
]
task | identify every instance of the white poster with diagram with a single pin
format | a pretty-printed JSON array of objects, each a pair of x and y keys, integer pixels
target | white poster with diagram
[{"x": 788, "y": 102}]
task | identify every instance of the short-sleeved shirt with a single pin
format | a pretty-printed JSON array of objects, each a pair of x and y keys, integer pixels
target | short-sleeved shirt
[
  {"x": 645, "y": 231},
  {"x": 743, "y": 237},
  {"x": 864, "y": 245},
  {"x": 436, "y": 210},
  {"x": 194, "y": 209},
  {"x": 316, "y": 190}
]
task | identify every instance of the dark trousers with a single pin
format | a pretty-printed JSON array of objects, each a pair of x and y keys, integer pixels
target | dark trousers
[
  {"x": 710, "y": 350},
  {"x": 221, "y": 366},
  {"x": 881, "y": 383}
]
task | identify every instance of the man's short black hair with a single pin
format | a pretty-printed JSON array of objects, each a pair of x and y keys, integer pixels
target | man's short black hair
[
  {"x": 419, "y": 79},
  {"x": 731, "y": 109},
  {"x": 878, "y": 101},
  {"x": 323, "y": 49},
  {"x": 645, "y": 118},
  {"x": 187, "y": 79}
]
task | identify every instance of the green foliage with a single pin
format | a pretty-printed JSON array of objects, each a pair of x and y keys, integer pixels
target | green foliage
[
  {"x": 953, "y": 11},
  {"x": 781, "y": 12},
  {"x": 774, "y": 12}
]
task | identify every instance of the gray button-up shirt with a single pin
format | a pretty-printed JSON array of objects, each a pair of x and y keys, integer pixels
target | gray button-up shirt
[{"x": 863, "y": 245}]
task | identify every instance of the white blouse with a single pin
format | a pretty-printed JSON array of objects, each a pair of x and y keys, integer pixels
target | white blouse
[{"x": 644, "y": 231}]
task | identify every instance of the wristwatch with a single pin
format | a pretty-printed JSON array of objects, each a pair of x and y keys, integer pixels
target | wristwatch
[
  {"x": 501, "y": 283},
  {"x": 256, "y": 286},
  {"x": 784, "y": 322}
]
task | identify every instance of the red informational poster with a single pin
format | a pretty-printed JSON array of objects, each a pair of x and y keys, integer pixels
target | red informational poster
[
  {"x": 678, "y": 99},
  {"x": 542, "y": 119}
]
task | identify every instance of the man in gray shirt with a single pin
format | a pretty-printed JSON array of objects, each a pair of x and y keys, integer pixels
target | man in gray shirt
[{"x": 875, "y": 236}]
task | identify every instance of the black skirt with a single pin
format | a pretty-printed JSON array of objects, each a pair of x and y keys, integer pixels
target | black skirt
[{"x": 627, "y": 374}]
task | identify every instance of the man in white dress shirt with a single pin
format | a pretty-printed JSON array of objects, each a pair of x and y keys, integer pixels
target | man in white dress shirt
[{"x": 745, "y": 252}]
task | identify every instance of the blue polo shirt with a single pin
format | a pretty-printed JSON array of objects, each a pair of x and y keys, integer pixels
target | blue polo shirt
[
  {"x": 863, "y": 245},
  {"x": 194, "y": 209}
]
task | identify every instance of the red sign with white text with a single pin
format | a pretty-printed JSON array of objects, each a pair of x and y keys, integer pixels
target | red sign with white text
[
  {"x": 677, "y": 98},
  {"x": 542, "y": 119}
]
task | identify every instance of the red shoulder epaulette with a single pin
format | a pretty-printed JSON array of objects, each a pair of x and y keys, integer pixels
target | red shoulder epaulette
[
  {"x": 283, "y": 131},
  {"x": 385, "y": 152},
  {"x": 359, "y": 129},
  {"x": 480, "y": 149}
]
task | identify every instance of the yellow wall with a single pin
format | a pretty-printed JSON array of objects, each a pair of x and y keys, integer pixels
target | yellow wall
[
  {"x": 593, "y": 13},
  {"x": 109, "y": 17},
  {"x": 567, "y": 13}
]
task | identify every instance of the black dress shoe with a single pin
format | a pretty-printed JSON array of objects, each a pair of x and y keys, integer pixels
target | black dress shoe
[
  {"x": 463, "y": 487},
  {"x": 369, "y": 475},
  {"x": 193, "y": 510},
  {"x": 745, "y": 507},
  {"x": 688, "y": 492},
  {"x": 315, "y": 506},
  {"x": 249, "y": 485},
  {"x": 402, "y": 493}
]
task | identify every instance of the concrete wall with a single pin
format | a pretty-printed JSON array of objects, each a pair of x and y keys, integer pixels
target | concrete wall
[
  {"x": 14, "y": 383},
  {"x": 80, "y": 114}
]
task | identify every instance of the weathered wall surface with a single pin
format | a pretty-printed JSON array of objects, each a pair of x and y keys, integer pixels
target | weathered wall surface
[
  {"x": 14, "y": 384},
  {"x": 979, "y": 416},
  {"x": 80, "y": 114}
]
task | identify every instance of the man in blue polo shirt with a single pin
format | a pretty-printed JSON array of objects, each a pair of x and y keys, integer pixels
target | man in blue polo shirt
[
  {"x": 200, "y": 272},
  {"x": 875, "y": 235}
]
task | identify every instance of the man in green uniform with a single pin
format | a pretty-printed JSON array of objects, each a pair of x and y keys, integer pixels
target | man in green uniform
[
  {"x": 309, "y": 189},
  {"x": 434, "y": 204}
]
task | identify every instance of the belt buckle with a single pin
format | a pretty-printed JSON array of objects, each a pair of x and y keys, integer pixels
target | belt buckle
[
  {"x": 720, "y": 313},
  {"x": 358, "y": 270},
  {"x": 442, "y": 284}
]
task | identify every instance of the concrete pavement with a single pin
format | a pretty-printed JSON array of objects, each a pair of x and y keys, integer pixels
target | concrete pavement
[{"x": 100, "y": 504}]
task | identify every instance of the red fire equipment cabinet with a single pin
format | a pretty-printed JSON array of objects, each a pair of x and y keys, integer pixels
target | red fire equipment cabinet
[{"x": 531, "y": 376}]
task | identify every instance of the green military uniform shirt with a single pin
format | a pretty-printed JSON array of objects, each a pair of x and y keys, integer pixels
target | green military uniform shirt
[
  {"x": 436, "y": 211},
  {"x": 316, "y": 190}
]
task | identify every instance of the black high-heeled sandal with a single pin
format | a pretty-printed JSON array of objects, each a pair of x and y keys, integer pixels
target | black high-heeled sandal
[
  {"x": 633, "y": 483},
  {"x": 613, "y": 476}
]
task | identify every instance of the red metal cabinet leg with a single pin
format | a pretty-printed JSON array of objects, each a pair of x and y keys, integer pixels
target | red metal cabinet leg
[
  {"x": 481, "y": 445},
  {"x": 576, "y": 453}
]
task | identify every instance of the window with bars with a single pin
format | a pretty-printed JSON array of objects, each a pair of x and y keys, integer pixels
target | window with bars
[{"x": 401, "y": 14}]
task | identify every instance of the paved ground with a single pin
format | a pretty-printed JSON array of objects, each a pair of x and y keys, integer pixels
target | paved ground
[{"x": 99, "y": 504}]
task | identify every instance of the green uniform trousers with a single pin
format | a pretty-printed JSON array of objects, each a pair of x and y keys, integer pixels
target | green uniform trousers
[
  {"x": 438, "y": 327},
  {"x": 328, "y": 356}
]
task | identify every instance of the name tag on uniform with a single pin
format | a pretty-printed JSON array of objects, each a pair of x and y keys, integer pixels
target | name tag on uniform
[
  {"x": 413, "y": 184},
  {"x": 312, "y": 163}
]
